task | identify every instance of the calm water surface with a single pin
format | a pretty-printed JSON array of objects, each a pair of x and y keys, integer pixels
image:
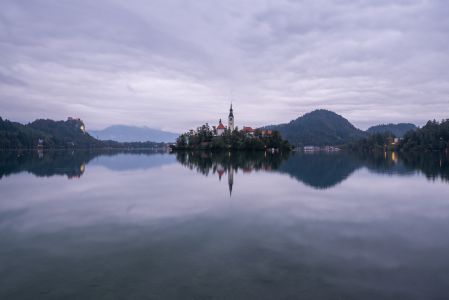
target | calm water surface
[{"x": 83, "y": 225}]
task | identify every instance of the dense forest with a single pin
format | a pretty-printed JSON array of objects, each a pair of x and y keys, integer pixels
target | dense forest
[
  {"x": 374, "y": 142},
  {"x": 398, "y": 130},
  {"x": 51, "y": 134},
  {"x": 205, "y": 138},
  {"x": 434, "y": 136},
  {"x": 319, "y": 128}
]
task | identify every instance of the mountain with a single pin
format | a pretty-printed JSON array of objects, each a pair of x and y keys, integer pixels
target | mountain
[
  {"x": 124, "y": 133},
  {"x": 399, "y": 130},
  {"x": 319, "y": 127}
]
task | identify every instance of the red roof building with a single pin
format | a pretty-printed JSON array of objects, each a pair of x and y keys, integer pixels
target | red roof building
[
  {"x": 220, "y": 125},
  {"x": 247, "y": 129},
  {"x": 220, "y": 128}
]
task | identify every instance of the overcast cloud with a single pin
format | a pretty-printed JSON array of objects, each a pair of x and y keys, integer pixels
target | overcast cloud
[{"x": 175, "y": 64}]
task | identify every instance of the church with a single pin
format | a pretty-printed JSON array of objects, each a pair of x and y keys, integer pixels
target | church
[
  {"x": 248, "y": 131},
  {"x": 221, "y": 129}
]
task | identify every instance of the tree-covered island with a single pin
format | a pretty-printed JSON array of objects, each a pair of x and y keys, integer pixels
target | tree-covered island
[
  {"x": 214, "y": 138},
  {"x": 230, "y": 137}
]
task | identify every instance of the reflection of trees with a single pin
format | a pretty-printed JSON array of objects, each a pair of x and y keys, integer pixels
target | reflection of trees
[
  {"x": 228, "y": 163},
  {"x": 385, "y": 163},
  {"x": 319, "y": 170},
  {"x": 49, "y": 163},
  {"x": 45, "y": 164},
  {"x": 432, "y": 165},
  {"x": 210, "y": 162}
]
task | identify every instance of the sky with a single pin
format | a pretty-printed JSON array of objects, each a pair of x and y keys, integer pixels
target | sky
[{"x": 174, "y": 65}]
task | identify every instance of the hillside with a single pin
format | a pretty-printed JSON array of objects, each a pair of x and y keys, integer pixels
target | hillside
[
  {"x": 318, "y": 128},
  {"x": 124, "y": 133},
  {"x": 399, "y": 130},
  {"x": 51, "y": 134}
]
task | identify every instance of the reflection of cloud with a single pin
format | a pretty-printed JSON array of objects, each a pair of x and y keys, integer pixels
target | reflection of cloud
[
  {"x": 126, "y": 162},
  {"x": 161, "y": 226},
  {"x": 149, "y": 193},
  {"x": 101, "y": 197},
  {"x": 137, "y": 62}
]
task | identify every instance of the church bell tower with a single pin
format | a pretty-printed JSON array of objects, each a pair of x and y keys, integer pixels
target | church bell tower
[{"x": 231, "y": 119}]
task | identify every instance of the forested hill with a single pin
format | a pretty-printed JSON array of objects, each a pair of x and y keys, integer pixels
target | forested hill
[
  {"x": 318, "y": 128},
  {"x": 434, "y": 136},
  {"x": 55, "y": 134},
  {"x": 399, "y": 130}
]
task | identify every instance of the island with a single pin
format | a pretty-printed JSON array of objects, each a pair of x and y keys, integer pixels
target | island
[{"x": 230, "y": 137}]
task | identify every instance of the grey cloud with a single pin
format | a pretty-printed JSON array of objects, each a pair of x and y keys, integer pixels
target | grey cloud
[
  {"x": 175, "y": 64},
  {"x": 5, "y": 79}
]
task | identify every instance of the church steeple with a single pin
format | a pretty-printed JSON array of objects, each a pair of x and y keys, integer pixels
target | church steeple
[
  {"x": 230, "y": 179},
  {"x": 231, "y": 119}
]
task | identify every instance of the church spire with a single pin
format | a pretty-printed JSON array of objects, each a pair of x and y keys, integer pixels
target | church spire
[{"x": 231, "y": 119}]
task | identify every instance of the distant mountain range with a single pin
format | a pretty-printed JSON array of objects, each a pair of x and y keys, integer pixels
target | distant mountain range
[
  {"x": 323, "y": 127},
  {"x": 125, "y": 133},
  {"x": 319, "y": 127},
  {"x": 397, "y": 129}
]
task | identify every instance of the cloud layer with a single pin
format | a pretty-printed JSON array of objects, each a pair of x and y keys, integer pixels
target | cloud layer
[{"x": 176, "y": 64}]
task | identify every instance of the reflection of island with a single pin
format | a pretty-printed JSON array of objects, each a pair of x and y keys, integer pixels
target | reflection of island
[
  {"x": 73, "y": 163},
  {"x": 318, "y": 170},
  {"x": 228, "y": 163}
]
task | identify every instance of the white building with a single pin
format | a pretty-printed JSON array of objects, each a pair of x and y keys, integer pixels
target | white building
[{"x": 220, "y": 128}]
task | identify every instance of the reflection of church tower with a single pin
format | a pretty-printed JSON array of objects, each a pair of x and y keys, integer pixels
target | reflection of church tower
[
  {"x": 220, "y": 171},
  {"x": 230, "y": 179},
  {"x": 231, "y": 119}
]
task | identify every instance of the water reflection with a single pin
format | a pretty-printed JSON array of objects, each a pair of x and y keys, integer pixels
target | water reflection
[
  {"x": 141, "y": 225},
  {"x": 73, "y": 163},
  {"x": 70, "y": 164},
  {"x": 227, "y": 163},
  {"x": 321, "y": 170},
  {"x": 317, "y": 170}
]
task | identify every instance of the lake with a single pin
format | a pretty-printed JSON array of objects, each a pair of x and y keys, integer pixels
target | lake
[{"x": 196, "y": 225}]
